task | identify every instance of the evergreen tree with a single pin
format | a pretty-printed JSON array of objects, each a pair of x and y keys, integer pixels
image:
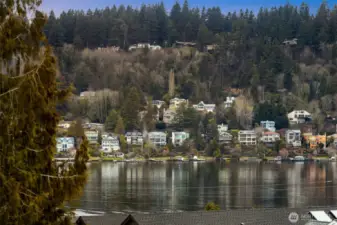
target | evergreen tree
[
  {"x": 130, "y": 109},
  {"x": 76, "y": 129},
  {"x": 33, "y": 187},
  {"x": 111, "y": 121},
  {"x": 149, "y": 118},
  {"x": 119, "y": 129}
]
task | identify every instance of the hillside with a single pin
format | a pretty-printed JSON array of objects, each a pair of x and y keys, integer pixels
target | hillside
[{"x": 251, "y": 55}]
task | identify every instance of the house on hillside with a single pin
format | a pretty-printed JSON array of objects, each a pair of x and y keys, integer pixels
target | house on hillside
[
  {"x": 64, "y": 144},
  {"x": 247, "y": 137},
  {"x": 315, "y": 140},
  {"x": 185, "y": 44},
  {"x": 134, "y": 138},
  {"x": 176, "y": 102},
  {"x": 144, "y": 45},
  {"x": 229, "y": 102},
  {"x": 293, "y": 138},
  {"x": 268, "y": 125},
  {"x": 157, "y": 138},
  {"x": 94, "y": 126},
  {"x": 298, "y": 116},
  {"x": 291, "y": 42},
  {"x": 92, "y": 136},
  {"x": 202, "y": 107},
  {"x": 110, "y": 143},
  {"x": 224, "y": 135},
  {"x": 87, "y": 94},
  {"x": 270, "y": 137},
  {"x": 178, "y": 138},
  {"x": 168, "y": 116},
  {"x": 64, "y": 124},
  {"x": 158, "y": 103}
]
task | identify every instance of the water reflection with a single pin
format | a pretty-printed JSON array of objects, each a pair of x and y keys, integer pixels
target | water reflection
[{"x": 189, "y": 186}]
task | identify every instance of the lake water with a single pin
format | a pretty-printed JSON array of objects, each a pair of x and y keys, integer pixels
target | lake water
[{"x": 183, "y": 186}]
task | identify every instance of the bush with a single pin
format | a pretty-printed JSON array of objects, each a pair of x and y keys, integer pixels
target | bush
[{"x": 212, "y": 206}]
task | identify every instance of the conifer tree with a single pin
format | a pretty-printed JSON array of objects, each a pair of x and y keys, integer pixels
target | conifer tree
[
  {"x": 130, "y": 109},
  {"x": 33, "y": 188},
  {"x": 119, "y": 129},
  {"x": 111, "y": 121}
]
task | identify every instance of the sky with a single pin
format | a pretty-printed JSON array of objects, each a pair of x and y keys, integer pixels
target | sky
[{"x": 226, "y": 5}]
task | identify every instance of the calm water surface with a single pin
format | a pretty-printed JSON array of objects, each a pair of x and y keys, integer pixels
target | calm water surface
[{"x": 145, "y": 187}]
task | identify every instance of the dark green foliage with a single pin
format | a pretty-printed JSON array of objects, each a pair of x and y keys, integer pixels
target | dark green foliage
[
  {"x": 273, "y": 112},
  {"x": 111, "y": 121},
  {"x": 131, "y": 109},
  {"x": 33, "y": 188}
]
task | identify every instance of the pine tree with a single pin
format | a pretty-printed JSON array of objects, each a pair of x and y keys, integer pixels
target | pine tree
[
  {"x": 76, "y": 129},
  {"x": 33, "y": 188},
  {"x": 119, "y": 129},
  {"x": 130, "y": 109},
  {"x": 111, "y": 121}
]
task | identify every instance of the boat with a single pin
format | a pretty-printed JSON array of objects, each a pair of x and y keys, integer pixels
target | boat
[
  {"x": 299, "y": 158},
  {"x": 196, "y": 159}
]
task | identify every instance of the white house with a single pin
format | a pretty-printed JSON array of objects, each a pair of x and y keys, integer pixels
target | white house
[
  {"x": 229, "y": 102},
  {"x": 178, "y": 138},
  {"x": 293, "y": 137},
  {"x": 134, "y": 138},
  {"x": 270, "y": 137},
  {"x": 94, "y": 126},
  {"x": 158, "y": 103},
  {"x": 144, "y": 45},
  {"x": 268, "y": 125},
  {"x": 87, "y": 94},
  {"x": 157, "y": 138},
  {"x": 176, "y": 102},
  {"x": 110, "y": 143},
  {"x": 298, "y": 116},
  {"x": 64, "y": 144},
  {"x": 224, "y": 136},
  {"x": 92, "y": 136},
  {"x": 64, "y": 124},
  {"x": 247, "y": 137},
  {"x": 168, "y": 116},
  {"x": 202, "y": 107}
]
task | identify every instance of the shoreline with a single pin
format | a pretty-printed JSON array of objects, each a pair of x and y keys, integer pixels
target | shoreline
[{"x": 202, "y": 159}]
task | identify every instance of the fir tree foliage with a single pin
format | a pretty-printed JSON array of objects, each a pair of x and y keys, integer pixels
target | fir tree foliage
[{"x": 33, "y": 188}]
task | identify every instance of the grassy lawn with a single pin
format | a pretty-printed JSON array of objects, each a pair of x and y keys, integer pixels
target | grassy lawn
[
  {"x": 321, "y": 157},
  {"x": 111, "y": 158},
  {"x": 91, "y": 158}
]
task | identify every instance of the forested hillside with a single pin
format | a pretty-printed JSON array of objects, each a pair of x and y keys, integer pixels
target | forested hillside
[{"x": 250, "y": 54}]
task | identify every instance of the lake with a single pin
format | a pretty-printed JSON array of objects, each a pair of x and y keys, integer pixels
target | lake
[{"x": 187, "y": 186}]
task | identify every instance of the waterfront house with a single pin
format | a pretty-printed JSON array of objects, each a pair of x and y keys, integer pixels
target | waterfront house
[
  {"x": 110, "y": 143},
  {"x": 270, "y": 137},
  {"x": 268, "y": 125},
  {"x": 298, "y": 116},
  {"x": 293, "y": 138},
  {"x": 134, "y": 138},
  {"x": 290, "y": 42},
  {"x": 176, "y": 102},
  {"x": 168, "y": 116},
  {"x": 92, "y": 136},
  {"x": 247, "y": 137},
  {"x": 202, "y": 107},
  {"x": 178, "y": 138},
  {"x": 314, "y": 140},
  {"x": 64, "y": 144},
  {"x": 229, "y": 102},
  {"x": 157, "y": 138}
]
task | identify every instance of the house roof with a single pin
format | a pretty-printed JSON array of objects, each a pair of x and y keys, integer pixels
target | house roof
[
  {"x": 270, "y": 132},
  {"x": 275, "y": 216}
]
